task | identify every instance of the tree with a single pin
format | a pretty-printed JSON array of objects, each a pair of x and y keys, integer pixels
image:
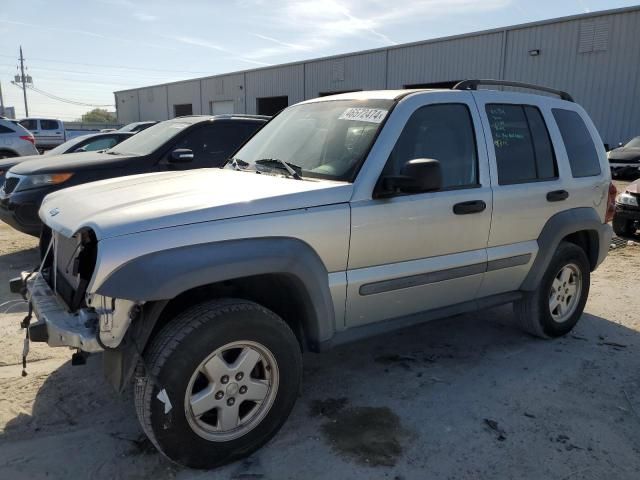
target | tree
[{"x": 99, "y": 115}]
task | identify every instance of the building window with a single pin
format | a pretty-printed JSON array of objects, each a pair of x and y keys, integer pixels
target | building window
[{"x": 182, "y": 110}]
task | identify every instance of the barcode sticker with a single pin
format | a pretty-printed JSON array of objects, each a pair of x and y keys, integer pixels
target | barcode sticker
[{"x": 371, "y": 115}]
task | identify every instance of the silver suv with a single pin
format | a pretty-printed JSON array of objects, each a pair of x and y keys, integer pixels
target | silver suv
[
  {"x": 15, "y": 140},
  {"x": 345, "y": 216}
]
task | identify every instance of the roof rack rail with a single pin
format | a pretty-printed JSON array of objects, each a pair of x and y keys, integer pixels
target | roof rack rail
[{"x": 473, "y": 85}]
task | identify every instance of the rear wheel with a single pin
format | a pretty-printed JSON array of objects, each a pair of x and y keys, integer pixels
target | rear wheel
[
  {"x": 7, "y": 154},
  {"x": 622, "y": 226},
  {"x": 556, "y": 306},
  {"x": 222, "y": 379}
]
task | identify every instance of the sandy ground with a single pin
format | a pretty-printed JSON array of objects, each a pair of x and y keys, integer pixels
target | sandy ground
[{"x": 468, "y": 397}]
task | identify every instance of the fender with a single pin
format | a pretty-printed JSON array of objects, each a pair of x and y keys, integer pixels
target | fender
[
  {"x": 558, "y": 227},
  {"x": 166, "y": 274}
]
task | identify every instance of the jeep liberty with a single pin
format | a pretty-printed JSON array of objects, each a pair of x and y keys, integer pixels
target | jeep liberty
[{"x": 343, "y": 217}]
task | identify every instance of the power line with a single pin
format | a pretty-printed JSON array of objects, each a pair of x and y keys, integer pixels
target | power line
[
  {"x": 112, "y": 66},
  {"x": 128, "y": 75},
  {"x": 63, "y": 100}
]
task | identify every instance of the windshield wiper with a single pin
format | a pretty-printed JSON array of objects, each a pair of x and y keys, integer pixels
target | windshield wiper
[{"x": 294, "y": 170}]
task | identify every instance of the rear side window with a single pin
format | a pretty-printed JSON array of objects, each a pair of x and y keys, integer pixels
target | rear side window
[
  {"x": 48, "y": 124},
  {"x": 4, "y": 129},
  {"x": 522, "y": 144},
  {"x": 582, "y": 153}
]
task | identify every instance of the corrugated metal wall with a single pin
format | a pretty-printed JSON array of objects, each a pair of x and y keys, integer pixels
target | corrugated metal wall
[
  {"x": 595, "y": 57},
  {"x": 185, "y": 93},
  {"x": 354, "y": 72},
  {"x": 445, "y": 61},
  {"x": 274, "y": 82},
  {"x": 153, "y": 103},
  {"x": 603, "y": 80},
  {"x": 225, "y": 87},
  {"x": 127, "y": 106}
]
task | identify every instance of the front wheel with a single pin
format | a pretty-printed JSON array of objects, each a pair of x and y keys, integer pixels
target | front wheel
[
  {"x": 222, "y": 378},
  {"x": 556, "y": 306}
]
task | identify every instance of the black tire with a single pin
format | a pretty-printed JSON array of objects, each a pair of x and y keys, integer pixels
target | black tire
[
  {"x": 533, "y": 312},
  {"x": 7, "y": 154},
  {"x": 177, "y": 351},
  {"x": 622, "y": 226}
]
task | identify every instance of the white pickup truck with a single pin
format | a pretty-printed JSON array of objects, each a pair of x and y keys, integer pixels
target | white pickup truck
[{"x": 50, "y": 132}]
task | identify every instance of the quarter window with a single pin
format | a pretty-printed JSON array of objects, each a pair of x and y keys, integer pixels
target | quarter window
[
  {"x": 582, "y": 153},
  {"x": 443, "y": 132},
  {"x": 522, "y": 145}
]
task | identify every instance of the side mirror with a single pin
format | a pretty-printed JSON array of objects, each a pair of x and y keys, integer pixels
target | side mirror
[
  {"x": 181, "y": 155},
  {"x": 416, "y": 176}
]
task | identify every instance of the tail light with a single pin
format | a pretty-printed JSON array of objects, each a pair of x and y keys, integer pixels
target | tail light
[
  {"x": 28, "y": 138},
  {"x": 611, "y": 203}
]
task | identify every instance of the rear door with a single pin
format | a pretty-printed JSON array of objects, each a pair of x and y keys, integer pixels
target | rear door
[
  {"x": 527, "y": 182},
  {"x": 416, "y": 252}
]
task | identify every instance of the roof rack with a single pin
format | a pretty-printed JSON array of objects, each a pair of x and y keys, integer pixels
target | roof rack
[{"x": 473, "y": 85}]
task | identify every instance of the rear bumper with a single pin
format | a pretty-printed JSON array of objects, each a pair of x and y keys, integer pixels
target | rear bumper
[{"x": 56, "y": 326}]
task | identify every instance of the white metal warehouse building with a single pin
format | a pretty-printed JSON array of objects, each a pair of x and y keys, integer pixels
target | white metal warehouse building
[{"x": 595, "y": 57}]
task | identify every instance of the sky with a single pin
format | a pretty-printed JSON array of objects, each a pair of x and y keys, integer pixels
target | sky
[{"x": 84, "y": 50}]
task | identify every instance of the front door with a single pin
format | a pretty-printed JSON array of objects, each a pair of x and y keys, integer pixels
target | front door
[{"x": 416, "y": 252}]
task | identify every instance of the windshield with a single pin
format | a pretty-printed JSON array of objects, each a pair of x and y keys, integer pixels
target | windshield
[
  {"x": 150, "y": 139},
  {"x": 326, "y": 139},
  {"x": 633, "y": 143},
  {"x": 66, "y": 145}
]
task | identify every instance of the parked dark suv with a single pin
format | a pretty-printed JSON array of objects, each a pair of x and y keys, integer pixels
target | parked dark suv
[{"x": 179, "y": 144}]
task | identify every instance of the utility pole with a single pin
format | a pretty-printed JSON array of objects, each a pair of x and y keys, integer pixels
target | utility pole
[{"x": 24, "y": 86}]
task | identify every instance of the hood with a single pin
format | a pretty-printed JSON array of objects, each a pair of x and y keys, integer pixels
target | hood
[
  {"x": 70, "y": 162},
  {"x": 125, "y": 205},
  {"x": 624, "y": 154},
  {"x": 633, "y": 187},
  {"x": 7, "y": 163}
]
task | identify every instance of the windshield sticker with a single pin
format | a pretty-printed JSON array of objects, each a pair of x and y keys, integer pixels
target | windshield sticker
[{"x": 371, "y": 115}]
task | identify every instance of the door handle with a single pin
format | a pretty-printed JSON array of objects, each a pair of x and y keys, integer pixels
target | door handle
[
  {"x": 557, "y": 196},
  {"x": 465, "y": 208}
]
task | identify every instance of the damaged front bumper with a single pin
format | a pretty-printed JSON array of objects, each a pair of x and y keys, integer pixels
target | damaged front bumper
[{"x": 56, "y": 325}]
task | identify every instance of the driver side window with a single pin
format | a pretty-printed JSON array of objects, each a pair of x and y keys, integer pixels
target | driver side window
[{"x": 443, "y": 132}]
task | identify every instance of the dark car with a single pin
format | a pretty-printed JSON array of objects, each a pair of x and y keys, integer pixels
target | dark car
[
  {"x": 84, "y": 143},
  {"x": 136, "y": 127},
  {"x": 626, "y": 218},
  {"x": 179, "y": 144},
  {"x": 625, "y": 160}
]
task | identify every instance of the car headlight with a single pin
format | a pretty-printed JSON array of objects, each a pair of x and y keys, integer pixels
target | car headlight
[
  {"x": 627, "y": 199},
  {"x": 35, "y": 181}
]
